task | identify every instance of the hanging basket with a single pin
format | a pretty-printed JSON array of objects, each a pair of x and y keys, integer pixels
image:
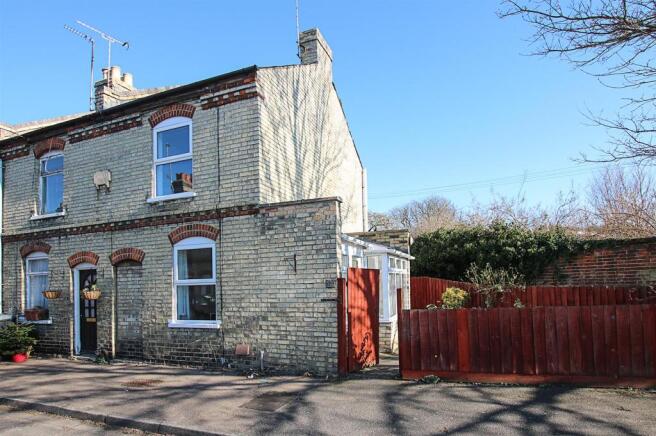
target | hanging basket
[
  {"x": 91, "y": 294},
  {"x": 51, "y": 294}
]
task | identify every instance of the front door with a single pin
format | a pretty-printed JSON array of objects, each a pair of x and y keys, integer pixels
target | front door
[{"x": 87, "y": 314}]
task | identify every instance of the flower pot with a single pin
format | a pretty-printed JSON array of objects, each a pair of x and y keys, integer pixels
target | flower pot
[
  {"x": 36, "y": 314},
  {"x": 51, "y": 295},
  {"x": 19, "y": 357},
  {"x": 91, "y": 294}
]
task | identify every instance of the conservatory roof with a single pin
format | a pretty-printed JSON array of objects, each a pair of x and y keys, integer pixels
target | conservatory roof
[{"x": 374, "y": 248}]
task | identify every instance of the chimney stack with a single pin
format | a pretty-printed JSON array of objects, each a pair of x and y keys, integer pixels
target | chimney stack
[
  {"x": 315, "y": 49},
  {"x": 113, "y": 88}
]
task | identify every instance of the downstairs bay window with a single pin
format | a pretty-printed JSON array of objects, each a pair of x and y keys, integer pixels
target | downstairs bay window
[{"x": 194, "y": 284}]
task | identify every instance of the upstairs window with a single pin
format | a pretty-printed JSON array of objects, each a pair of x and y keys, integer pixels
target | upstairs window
[
  {"x": 194, "y": 282},
  {"x": 172, "y": 163},
  {"x": 36, "y": 280},
  {"x": 51, "y": 184}
]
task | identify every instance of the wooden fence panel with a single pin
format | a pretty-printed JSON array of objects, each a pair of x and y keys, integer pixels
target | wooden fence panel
[
  {"x": 443, "y": 334},
  {"x": 424, "y": 339},
  {"x": 649, "y": 328},
  {"x": 483, "y": 341},
  {"x": 539, "y": 340},
  {"x": 568, "y": 342},
  {"x": 623, "y": 340},
  {"x": 586, "y": 340},
  {"x": 598, "y": 340},
  {"x": 429, "y": 290}
]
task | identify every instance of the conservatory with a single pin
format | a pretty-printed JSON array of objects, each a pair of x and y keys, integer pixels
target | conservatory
[{"x": 394, "y": 266}]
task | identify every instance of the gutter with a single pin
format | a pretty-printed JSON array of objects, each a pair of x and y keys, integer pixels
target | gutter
[{"x": 2, "y": 316}]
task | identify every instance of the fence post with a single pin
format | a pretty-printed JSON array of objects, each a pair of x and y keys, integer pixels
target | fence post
[
  {"x": 399, "y": 326},
  {"x": 342, "y": 348}
]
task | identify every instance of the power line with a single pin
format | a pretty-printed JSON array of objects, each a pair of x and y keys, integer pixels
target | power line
[{"x": 498, "y": 181}]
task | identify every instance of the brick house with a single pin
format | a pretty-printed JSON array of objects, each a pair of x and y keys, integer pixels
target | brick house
[{"x": 209, "y": 215}]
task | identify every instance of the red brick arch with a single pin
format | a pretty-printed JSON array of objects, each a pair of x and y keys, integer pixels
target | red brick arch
[
  {"x": 48, "y": 145},
  {"x": 193, "y": 230},
  {"x": 82, "y": 257},
  {"x": 127, "y": 253},
  {"x": 34, "y": 247},
  {"x": 174, "y": 110}
]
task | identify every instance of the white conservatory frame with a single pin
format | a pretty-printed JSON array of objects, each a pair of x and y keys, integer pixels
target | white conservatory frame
[{"x": 353, "y": 248}]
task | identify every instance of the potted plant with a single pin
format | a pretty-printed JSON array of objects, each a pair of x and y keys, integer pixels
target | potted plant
[
  {"x": 17, "y": 341},
  {"x": 51, "y": 294},
  {"x": 36, "y": 313},
  {"x": 92, "y": 293}
]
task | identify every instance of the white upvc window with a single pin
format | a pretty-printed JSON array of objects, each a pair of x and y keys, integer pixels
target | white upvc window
[
  {"x": 194, "y": 284},
  {"x": 399, "y": 277},
  {"x": 172, "y": 159},
  {"x": 51, "y": 184},
  {"x": 36, "y": 280}
]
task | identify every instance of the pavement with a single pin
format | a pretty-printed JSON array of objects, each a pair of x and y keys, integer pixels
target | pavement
[
  {"x": 171, "y": 400},
  {"x": 33, "y": 423}
]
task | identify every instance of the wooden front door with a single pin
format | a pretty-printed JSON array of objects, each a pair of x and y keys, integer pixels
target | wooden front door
[{"x": 88, "y": 329}]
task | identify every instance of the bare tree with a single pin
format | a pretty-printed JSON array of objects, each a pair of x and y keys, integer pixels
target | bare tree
[
  {"x": 426, "y": 215},
  {"x": 380, "y": 221},
  {"x": 420, "y": 216},
  {"x": 612, "y": 40},
  {"x": 622, "y": 203},
  {"x": 566, "y": 212}
]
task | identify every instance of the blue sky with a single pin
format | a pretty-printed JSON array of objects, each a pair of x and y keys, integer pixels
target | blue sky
[{"x": 436, "y": 93}]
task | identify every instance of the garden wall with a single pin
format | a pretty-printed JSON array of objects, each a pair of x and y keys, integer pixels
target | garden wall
[{"x": 628, "y": 263}]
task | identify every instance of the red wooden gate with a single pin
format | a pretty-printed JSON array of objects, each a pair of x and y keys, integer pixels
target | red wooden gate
[{"x": 357, "y": 320}]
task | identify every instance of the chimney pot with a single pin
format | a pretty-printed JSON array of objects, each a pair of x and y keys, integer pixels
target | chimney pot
[
  {"x": 114, "y": 89},
  {"x": 127, "y": 80},
  {"x": 115, "y": 74}
]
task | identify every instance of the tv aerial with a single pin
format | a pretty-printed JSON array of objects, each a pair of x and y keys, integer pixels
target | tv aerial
[
  {"x": 91, "y": 41},
  {"x": 110, "y": 40}
]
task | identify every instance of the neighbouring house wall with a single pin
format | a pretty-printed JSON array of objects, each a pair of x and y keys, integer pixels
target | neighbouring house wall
[
  {"x": 629, "y": 263},
  {"x": 220, "y": 179},
  {"x": 290, "y": 314},
  {"x": 307, "y": 150}
]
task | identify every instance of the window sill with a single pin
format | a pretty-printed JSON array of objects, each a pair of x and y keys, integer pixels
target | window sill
[
  {"x": 163, "y": 198},
  {"x": 387, "y": 320},
  {"x": 194, "y": 324},
  {"x": 47, "y": 215},
  {"x": 22, "y": 320}
]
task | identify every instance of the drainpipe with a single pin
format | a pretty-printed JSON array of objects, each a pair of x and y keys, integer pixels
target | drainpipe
[
  {"x": 1, "y": 220},
  {"x": 365, "y": 200}
]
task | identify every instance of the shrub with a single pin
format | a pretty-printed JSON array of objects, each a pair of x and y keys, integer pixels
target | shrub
[
  {"x": 454, "y": 298},
  {"x": 448, "y": 253},
  {"x": 493, "y": 283},
  {"x": 16, "y": 339}
]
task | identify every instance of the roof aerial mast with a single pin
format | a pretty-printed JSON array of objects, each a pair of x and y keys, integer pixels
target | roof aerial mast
[
  {"x": 93, "y": 44},
  {"x": 110, "y": 40}
]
